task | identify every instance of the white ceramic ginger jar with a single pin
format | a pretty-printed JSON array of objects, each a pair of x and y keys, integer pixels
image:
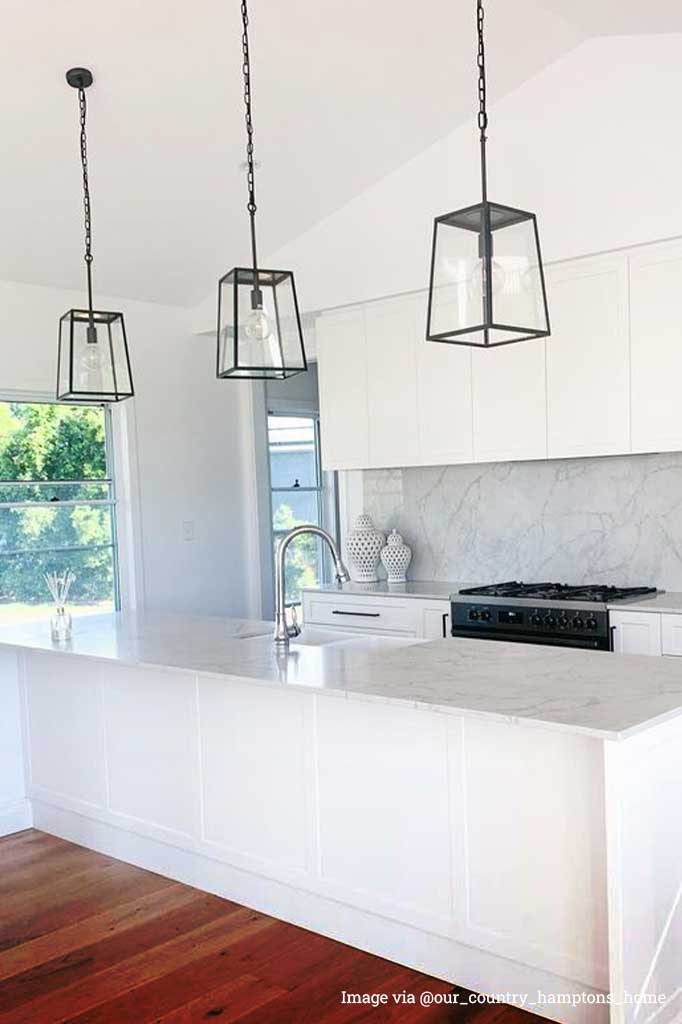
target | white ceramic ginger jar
[
  {"x": 396, "y": 557},
  {"x": 364, "y": 544}
]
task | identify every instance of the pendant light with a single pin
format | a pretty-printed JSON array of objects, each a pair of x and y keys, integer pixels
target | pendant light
[
  {"x": 259, "y": 327},
  {"x": 487, "y": 284},
  {"x": 93, "y": 362}
]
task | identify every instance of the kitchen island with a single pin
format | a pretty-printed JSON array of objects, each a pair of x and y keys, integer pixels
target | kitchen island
[{"x": 503, "y": 816}]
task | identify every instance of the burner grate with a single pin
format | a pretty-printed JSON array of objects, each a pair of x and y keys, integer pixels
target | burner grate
[{"x": 558, "y": 591}]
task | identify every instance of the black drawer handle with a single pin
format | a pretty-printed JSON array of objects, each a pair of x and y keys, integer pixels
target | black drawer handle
[{"x": 359, "y": 615}]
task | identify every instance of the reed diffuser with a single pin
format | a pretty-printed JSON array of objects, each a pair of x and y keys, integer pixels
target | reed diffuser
[{"x": 60, "y": 621}]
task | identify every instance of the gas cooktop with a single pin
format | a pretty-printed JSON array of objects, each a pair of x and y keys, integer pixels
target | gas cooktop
[{"x": 557, "y": 592}]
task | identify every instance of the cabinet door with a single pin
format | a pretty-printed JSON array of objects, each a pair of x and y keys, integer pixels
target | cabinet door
[
  {"x": 656, "y": 347},
  {"x": 588, "y": 358},
  {"x": 443, "y": 397},
  {"x": 671, "y": 635},
  {"x": 509, "y": 402},
  {"x": 636, "y": 632},
  {"x": 391, "y": 384},
  {"x": 342, "y": 369},
  {"x": 435, "y": 620}
]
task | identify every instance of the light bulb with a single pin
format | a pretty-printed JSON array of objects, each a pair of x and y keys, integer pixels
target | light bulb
[
  {"x": 258, "y": 326},
  {"x": 90, "y": 366},
  {"x": 477, "y": 283}
]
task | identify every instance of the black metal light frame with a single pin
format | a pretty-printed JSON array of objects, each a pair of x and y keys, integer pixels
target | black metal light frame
[
  {"x": 99, "y": 319},
  {"x": 255, "y": 278},
  {"x": 114, "y": 351},
  {"x": 244, "y": 277},
  {"x": 484, "y": 219}
]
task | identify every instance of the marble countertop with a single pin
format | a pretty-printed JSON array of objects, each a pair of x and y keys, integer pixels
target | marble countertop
[
  {"x": 666, "y": 601},
  {"x": 596, "y": 693},
  {"x": 436, "y": 590}
]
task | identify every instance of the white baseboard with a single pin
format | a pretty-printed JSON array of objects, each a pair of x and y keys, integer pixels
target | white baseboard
[
  {"x": 440, "y": 957},
  {"x": 15, "y": 817}
]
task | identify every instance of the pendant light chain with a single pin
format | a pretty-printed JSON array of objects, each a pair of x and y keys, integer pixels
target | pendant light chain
[
  {"x": 482, "y": 109},
  {"x": 83, "y": 105},
  {"x": 250, "y": 176}
]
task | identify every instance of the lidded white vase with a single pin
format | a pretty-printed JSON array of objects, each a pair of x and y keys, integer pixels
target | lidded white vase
[
  {"x": 364, "y": 544},
  {"x": 396, "y": 557}
]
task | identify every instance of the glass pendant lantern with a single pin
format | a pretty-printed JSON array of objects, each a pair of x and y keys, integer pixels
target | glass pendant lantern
[
  {"x": 259, "y": 326},
  {"x": 487, "y": 284},
  {"x": 93, "y": 363}
]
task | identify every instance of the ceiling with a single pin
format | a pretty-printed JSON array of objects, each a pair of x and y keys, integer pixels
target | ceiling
[{"x": 344, "y": 92}]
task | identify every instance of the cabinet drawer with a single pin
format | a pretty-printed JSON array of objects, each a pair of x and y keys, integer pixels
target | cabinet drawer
[
  {"x": 353, "y": 613},
  {"x": 671, "y": 635}
]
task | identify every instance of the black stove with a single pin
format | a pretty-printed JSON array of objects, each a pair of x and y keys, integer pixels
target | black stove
[{"x": 540, "y": 613}]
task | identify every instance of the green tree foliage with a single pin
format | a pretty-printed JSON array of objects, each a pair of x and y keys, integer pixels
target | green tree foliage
[{"x": 42, "y": 442}]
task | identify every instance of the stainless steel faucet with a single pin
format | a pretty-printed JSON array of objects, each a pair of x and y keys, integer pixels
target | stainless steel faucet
[{"x": 283, "y": 631}]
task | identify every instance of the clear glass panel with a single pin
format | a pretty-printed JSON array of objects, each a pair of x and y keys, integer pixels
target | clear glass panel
[
  {"x": 293, "y": 458},
  {"x": 303, "y": 568},
  {"x": 518, "y": 299},
  {"x": 293, "y": 508},
  {"x": 93, "y": 368},
  {"x": 47, "y": 528},
  {"x": 456, "y": 295},
  {"x": 46, "y": 441},
  {"x": 24, "y": 595}
]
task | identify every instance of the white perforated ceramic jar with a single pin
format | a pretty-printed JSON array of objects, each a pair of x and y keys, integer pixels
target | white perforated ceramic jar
[
  {"x": 364, "y": 544},
  {"x": 396, "y": 557}
]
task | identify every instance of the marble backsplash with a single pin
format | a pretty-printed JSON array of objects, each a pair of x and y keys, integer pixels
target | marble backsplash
[{"x": 615, "y": 520}]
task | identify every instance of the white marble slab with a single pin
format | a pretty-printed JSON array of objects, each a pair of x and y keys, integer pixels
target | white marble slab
[
  {"x": 432, "y": 590},
  {"x": 668, "y": 601},
  {"x": 596, "y": 693}
]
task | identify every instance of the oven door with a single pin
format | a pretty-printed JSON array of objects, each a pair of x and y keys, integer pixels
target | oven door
[{"x": 594, "y": 643}]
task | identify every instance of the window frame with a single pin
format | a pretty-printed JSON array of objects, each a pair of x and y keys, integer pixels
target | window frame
[
  {"x": 22, "y": 398},
  {"x": 327, "y": 484}
]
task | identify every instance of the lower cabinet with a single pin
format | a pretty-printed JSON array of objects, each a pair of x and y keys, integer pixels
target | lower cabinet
[
  {"x": 638, "y": 632},
  {"x": 378, "y": 614}
]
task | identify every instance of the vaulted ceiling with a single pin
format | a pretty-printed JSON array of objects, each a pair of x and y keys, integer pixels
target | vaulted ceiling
[{"x": 344, "y": 92}]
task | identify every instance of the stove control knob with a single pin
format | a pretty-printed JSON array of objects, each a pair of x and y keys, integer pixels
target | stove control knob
[
  {"x": 473, "y": 615},
  {"x": 536, "y": 620},
  {"x": 485, "y": 615},
  {"x": 591, "y": 623},
  {"x": 563, "y": 622},
  {"x": 578, "y": 623},
  {"x": 550, "y": 621}
]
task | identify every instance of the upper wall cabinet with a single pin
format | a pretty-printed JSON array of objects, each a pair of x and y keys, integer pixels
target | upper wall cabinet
[
  {"x": 342, "y": 374},
  {"x": 510, "y": 417},
  {"x": 656, "y": 347},
  {"x": 606, "y": 382},
  {"x": 444, "y": 413},
  {"x": 391, "y": 388},
  {"x": 588, "y": 353}
]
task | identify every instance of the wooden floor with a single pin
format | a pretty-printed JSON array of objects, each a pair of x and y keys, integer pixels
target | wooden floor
[{"x": 87, "y": 939}]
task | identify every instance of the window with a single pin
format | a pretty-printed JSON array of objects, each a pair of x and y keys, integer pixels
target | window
[
  {"x": 300, "y": 493},
  {"x": 57, "y": 508}
]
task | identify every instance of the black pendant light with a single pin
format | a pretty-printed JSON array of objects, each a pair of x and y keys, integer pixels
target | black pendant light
[
  {"x": 259, "y": 327},
  {"x": 487, "y": 285},
  {"x": 93, "y": 363}
]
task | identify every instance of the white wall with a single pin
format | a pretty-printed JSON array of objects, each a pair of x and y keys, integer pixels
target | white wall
[
  {"x": 187, "y": 434},
  {"x": 592, "y": 145}
]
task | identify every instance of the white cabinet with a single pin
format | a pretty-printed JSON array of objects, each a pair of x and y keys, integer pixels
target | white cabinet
[
  {"x": 636, "y": 632},
  {"x": 444, "y": 412},
  {"x": 656, "y": 347},
  {"x": 379, "y": 614},
  {"x": 342, "y": 369},
  {"x": 509, "y": 405},
  {"x": 588, "y": 400},
  {"x": 391, "y": 383},
  {"x": 671, "y": 635}
]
